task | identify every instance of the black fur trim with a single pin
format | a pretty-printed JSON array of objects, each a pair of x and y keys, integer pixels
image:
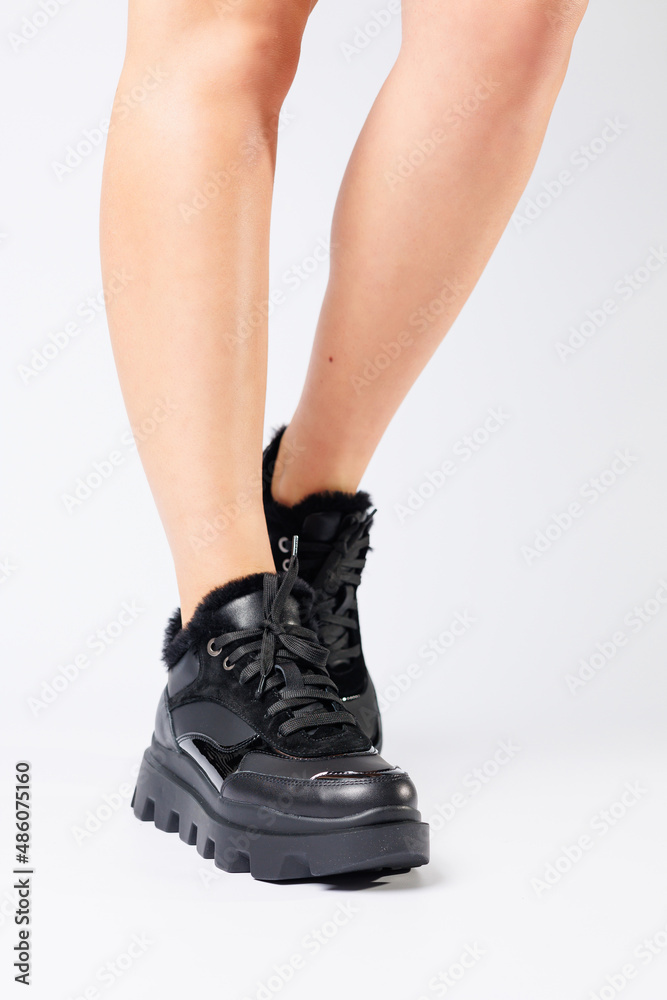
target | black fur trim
[
  {"x": 174, "y": 626},
  {"x": 202, "y": 625},
  {"x": 269, "y": 462},
  {"x": 314, "y": 503}
]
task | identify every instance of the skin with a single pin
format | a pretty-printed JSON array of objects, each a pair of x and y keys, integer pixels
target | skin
[{"x": 472, "y": 91}]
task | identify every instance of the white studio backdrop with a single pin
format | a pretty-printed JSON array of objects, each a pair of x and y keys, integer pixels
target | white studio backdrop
[{"x": 534, "y": 727}]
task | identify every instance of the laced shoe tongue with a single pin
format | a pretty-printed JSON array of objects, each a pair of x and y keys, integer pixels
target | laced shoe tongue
[
  {"x": 248, "y": 610},
  {"x": 322, "y": 560},
  {"x": 317, "y": 532},
  {"x": 321, "y": 527},
  {"x": 272, "y": 648}
]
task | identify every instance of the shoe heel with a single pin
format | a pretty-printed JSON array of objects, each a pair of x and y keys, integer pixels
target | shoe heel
[
  {"x": 153, "y": 800},
  {"x": 161, "y": 800}
]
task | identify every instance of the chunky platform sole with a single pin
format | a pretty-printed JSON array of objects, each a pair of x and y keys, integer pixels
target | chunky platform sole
[{"x": 165, "y": 799}]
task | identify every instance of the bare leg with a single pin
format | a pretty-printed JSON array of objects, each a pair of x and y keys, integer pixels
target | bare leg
[
  {"x": 185, "y": 212},
  {"x": 439, "y": 166}
]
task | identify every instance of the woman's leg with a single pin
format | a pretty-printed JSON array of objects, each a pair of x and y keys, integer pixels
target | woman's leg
[
  {"x": 439, "y": 166},
  {"x": 185, "y": 213}
]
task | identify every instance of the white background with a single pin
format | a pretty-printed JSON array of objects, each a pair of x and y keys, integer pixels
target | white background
[{"x": 462, "y": 551}]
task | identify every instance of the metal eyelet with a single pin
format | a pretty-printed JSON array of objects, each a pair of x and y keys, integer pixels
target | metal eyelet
[
  {"x": 212, "y": 651},
  {"x": 283, "y": 543},
  {"x": 285, "y": 564},
  {"x": 226, "y": 665}
]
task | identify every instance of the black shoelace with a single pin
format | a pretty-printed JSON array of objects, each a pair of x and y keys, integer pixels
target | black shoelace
[
  {"x": 336, "y": 586},
  {"x": 279, "y": 651}
]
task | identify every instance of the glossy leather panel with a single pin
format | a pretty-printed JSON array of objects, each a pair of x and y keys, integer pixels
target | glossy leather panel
[
  {"x": 301, "y": 767},
  {"x": 203, "y": 762},
  {"x": 207, "y": 766},
  {"x": 181, "y": 763}
]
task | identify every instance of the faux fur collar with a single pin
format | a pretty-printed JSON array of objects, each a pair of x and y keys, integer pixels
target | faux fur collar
[
  {"x": 315, "y": 503},
  {"x": 203, "y": 624}
]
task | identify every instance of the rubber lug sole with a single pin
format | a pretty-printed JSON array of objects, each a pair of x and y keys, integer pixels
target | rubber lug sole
[{"x": 162, "y": 799}]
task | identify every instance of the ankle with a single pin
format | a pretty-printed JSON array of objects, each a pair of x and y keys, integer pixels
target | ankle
[
  {"x": 193, "y": 590},
  {"x": 221, "y": 555},
  {"x": 304, "y": 466}
]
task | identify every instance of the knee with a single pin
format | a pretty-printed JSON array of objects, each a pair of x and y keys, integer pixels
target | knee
[
  {"x": 539, "y": 35},
  {"x": 523, "y": 44},
  {"x": 227, "y": 50}
]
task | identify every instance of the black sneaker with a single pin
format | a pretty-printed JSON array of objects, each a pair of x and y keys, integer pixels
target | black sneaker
[
  {"x": 255, "y": 758},
  {"x": 333, "y": 530}
]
